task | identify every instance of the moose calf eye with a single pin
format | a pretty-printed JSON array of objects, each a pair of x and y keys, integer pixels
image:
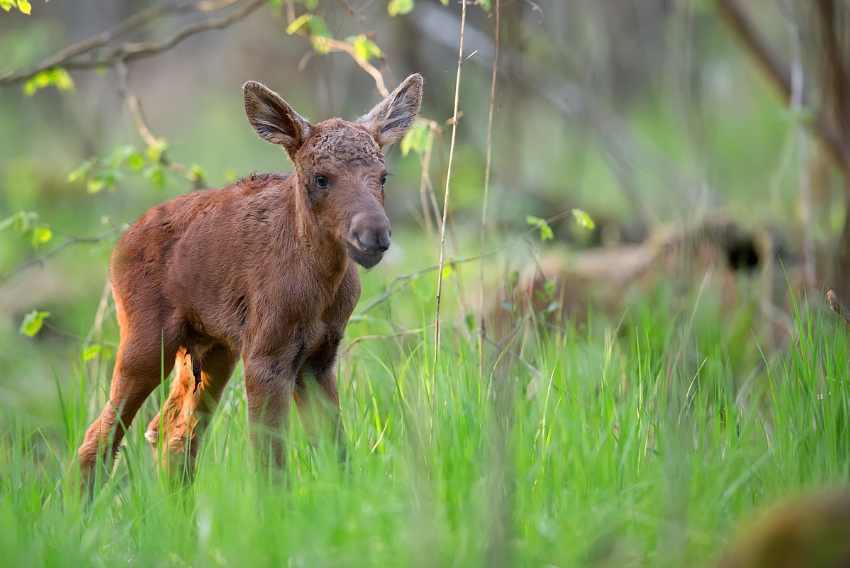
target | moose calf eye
[
  {"x": 383, "y": 179},
  {"x": 322, "y": 182}
]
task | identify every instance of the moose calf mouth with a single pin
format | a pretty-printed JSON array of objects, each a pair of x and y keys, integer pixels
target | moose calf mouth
[{"x": 364, "y": 258}]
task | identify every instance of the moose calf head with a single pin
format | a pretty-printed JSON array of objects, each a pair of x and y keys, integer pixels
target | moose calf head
[{"x": 340, "y": 164}]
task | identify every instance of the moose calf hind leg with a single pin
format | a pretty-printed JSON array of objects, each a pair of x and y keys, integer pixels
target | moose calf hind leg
[
  {"x": 184, "y": 416},
  {"x": 136, "y": 375}
]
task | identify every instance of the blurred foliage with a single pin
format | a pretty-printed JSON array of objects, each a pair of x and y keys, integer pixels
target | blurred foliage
[
  {"x": 56, "y": 77},
  {"x": 22, "y": 5},
  {"x": 695, "y": 132},
  {"x": 32, "y": 322}
]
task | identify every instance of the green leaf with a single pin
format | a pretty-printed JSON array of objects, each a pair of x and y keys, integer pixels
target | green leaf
[
  {"x": 318, "y": 34},
  {"x": 80, "y": 172},
  {"x": 7, "y": 222},
  {"x": 95, "y": 185},
  {"x": 91, "y": 352},
  {"x": 399, "y": 7},
  {"x": 485, "y": 4},
  {"x": 448, "y": 270},
  {"x": 546, "y": 233},
  {"x": 156, "y": 150},
  {"x": 132, "y": 158},
  {"x": 364, "y": 48},
  {"x": 320, "y": 44},
  {"x": 156, "y": 175},
  {"x": 135, "y": 161},
  {"x": 21, "y": 222},
  {"x": 41, "y": 235},
  {"x": 583, "y": 220},
  {"x": 33, "y": 322},
  {"x": 195, "y": 174},
  {"x": 56, "y": 77},
  {"x": 298, "y": 23},
  {"x": 469, "y": 319},
  {"x": 417, "y": 139},
  {"x": 318, "y": 27},
  {"x": 119, "y": 155},
  {"x": 23, "y": 6},
  {"x": 104, "y": 179}
]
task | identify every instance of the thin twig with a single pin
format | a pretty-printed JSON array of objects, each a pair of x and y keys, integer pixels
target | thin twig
[
  {"x": 487, "y": 172},
  {"x": 426, "y": 188},
  {"x": 448, "y": 188},
  {"x": 346, "y": 47},
  {"x": 96, "y": 331},
  {"x": 409, "y": 277},
  {"x": 69, "y": 242},
  {"x": 129, "y": 51},
  {"x": 357, "y": 340},
  {"x": 134, "y": 106}
]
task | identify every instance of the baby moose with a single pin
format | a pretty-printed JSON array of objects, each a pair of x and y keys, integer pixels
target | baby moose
[{"x": 263, "y": 269}]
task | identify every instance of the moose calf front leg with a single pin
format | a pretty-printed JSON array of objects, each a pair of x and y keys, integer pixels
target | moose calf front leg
[
  {"x": 321, "y": 365},
  {"x": 269, "y": 385}
]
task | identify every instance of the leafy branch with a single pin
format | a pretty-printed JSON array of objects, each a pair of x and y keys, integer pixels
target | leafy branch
[{"x": 95, "y": 52}]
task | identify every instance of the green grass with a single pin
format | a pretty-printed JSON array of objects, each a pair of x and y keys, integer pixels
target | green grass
[{"x": 642, "y": 443}]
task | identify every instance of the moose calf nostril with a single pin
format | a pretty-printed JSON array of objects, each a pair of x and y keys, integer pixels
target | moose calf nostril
[{"x": 370, "y": 233}]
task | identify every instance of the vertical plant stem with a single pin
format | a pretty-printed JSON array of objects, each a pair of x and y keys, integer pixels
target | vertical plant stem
[
  {"x": 425, "y": 188},
  {"x": 446, "y": 195},
  {"x": 487, "y": 172}
]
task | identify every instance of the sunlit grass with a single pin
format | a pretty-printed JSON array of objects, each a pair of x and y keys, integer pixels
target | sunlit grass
[{"x": 638, "y": 444}]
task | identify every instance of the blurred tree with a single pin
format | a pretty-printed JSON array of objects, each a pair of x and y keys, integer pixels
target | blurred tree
[{"x": 828, "y": 23}]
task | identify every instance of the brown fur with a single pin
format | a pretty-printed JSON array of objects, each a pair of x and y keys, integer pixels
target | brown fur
[
  {"x": 261, "y": 269},
  {"x": 811, "y": 531}
]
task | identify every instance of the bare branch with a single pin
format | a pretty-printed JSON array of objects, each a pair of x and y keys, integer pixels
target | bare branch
[
  {"x": 69, "y": 242},
  {"x": 568, "y": 98},
  {"x": 134, "y": 106},
  {"x": 778, "y": 74},
  {"x": 345, "y": 47},
  {"x": 835, "y": 72},
  {"x": 68, "y": 58}
]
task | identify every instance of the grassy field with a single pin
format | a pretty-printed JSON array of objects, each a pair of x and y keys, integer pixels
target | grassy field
[
  {"x": 637, "y": 437},
  {"x": 642, "y": 442}
]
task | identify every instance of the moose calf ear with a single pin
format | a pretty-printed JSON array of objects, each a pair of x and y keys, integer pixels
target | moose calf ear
[
  {"x": 391, "y": 117},
  {"x": 273, "y": 119}
]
